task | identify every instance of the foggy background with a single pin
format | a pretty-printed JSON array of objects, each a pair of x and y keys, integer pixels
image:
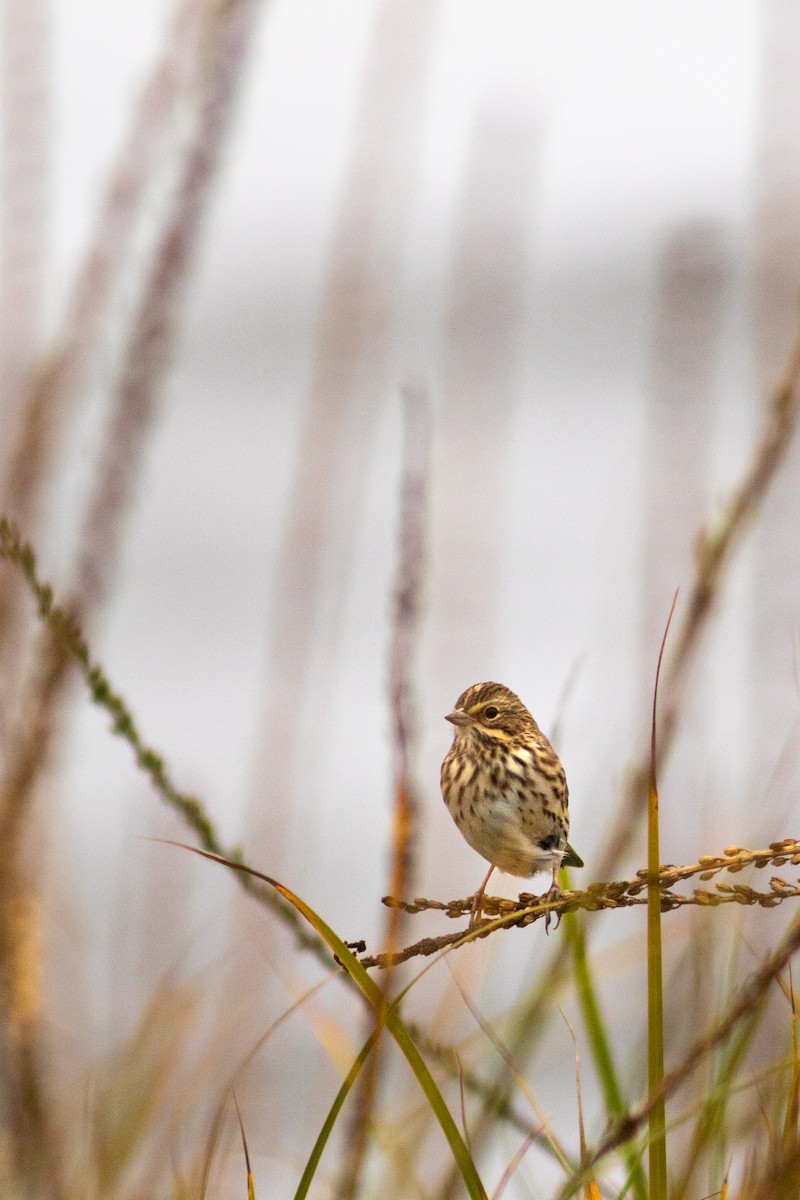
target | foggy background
[{"x": 578, "y": 226}]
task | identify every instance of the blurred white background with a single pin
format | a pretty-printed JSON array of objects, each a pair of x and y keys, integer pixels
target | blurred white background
[{"x": 578, "y": 224}]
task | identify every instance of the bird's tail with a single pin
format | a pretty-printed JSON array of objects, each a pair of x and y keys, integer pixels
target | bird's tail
[{"x": 571, "y": 859}]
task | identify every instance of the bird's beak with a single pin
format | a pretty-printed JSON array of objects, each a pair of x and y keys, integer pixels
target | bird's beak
[{"x": 457, "y": 717}]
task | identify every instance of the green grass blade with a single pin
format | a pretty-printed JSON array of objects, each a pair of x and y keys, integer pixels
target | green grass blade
[
  {"x": 330, "y": 1120},
  {"x": 600, "y": 1046},
  {"x": 657, "y": 1125},
  {"x": 655, "y": 1007},
  {"x": 386, "y": 1015}
]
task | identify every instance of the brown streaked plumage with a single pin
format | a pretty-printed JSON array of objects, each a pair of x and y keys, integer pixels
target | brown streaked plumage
[{"x": 505, "y": 787}]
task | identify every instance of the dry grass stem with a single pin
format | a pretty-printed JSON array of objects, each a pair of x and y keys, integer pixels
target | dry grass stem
[
  {"x": 224, "y": 37},
  {"x": 714, "y": 548},
  {"x": 216, "y": 62},
  {"x": 405, "y": 636},
  {"x": 507, "y": 914},
  {"x": 60, "y": 378},
  {"x": 65, "y": 629}
]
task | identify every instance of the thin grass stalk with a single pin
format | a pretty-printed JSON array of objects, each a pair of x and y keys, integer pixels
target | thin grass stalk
[
  {"x": 549, "y": 1138},
  {"x": 324, "y": 1134},
  {"x": 791, "y": 1128},
  {"x": 657, "y": 1128},
  {"x": 58, "y": 381},
  {"x": 715, "y": 545},
  {"x": 251, "y": 1191},
  {"x": 592, "y": 1191},
  {"x": 402, "y": 655},
  {"x": 218, "y": 1116},
  {"x": 657, "y": 1144},
  {"x": 64, "y": 628}
]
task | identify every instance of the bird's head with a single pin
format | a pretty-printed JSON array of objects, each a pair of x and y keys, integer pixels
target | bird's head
[{"x": 491, "y": 710}]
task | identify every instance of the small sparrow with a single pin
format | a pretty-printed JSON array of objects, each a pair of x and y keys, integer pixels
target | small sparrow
[{"x": 505, "y": 788}]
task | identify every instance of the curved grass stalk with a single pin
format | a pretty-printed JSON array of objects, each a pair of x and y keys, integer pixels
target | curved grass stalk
[
  {"x": 333, "y": 1113},
  {"x": 386, "y": 1014}
]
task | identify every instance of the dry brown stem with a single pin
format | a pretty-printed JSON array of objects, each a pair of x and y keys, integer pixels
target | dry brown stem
[
  {"x": 67, "y": 632},
  {"x": 216, "y": 64},
  {"x": 714, "y": 547},
  {"x": 507, "y": 914},
  {"x": 405, "y": 635},
  {"x": 52, "y": 394}
]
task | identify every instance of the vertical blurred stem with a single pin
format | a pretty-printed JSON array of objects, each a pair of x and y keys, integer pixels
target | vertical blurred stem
[
  {"x": 600, "y": 1045},
  {"x": 404, "y": 641},
  {"x": 655, "y": 983},
  {"x": 655, "y": 1005}
]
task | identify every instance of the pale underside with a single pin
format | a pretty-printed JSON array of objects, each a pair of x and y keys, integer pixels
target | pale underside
[{"x": 507, "y": 825}]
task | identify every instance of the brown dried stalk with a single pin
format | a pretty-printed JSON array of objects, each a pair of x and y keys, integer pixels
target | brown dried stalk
[
  {"x": 53, "y": 391},
  {"x": 66, "y": 631},
  {"x": 713, "y": 551},
  {"x": 218, "y": 68},
  {"x": 508, "y": 914},
  {"x": 214, "y": 62},
  {"x": 405, "y": 635}
]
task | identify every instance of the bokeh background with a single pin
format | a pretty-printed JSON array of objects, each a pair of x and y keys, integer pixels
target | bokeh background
[{"x": 232, "y": 234}]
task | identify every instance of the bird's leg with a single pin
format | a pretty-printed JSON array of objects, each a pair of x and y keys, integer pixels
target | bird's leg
[
  {"x": 552, "y": 893},
  {"x": 477, "y": 900}
]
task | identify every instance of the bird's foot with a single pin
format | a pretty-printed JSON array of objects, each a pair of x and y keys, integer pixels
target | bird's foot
[
  {"x": 552, "y": 894},
  {"x": 475, "y": 912}
]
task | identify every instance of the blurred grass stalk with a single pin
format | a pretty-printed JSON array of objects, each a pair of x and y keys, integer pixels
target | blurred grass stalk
[
  {"x": 657, "y": 1123},
  {"x": 197, "y": 74},
  {"x": 405, "y": 815}
]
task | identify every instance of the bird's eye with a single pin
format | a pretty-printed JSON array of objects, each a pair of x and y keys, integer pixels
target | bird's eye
[{"x": 491, "y": 712}]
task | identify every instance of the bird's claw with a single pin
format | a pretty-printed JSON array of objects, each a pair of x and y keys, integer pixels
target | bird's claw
[
  {"x": 475, "y": 913},
  {"x": 552, "y": 894}
]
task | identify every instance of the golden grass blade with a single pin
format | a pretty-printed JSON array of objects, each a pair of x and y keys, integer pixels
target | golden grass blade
[
  {"x": 657, "y": 1123},
  {"x": 251, "y": 1191},
  {"x": 790, "y": 1128},
  {"x": 591, "y": 1190},
  {"x": 386, "y": 1014}
]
